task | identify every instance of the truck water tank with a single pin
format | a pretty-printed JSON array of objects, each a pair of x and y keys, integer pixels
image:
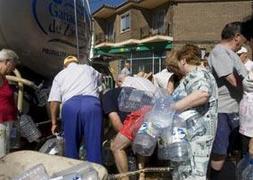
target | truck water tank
[{"x": 43, "y": 32}]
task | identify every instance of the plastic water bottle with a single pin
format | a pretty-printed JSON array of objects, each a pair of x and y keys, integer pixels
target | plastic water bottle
[
  {"x": 131, "y": 99},
  {"x": 146, "y": 138},
  {"x": 176, "y": 144},
  {"x": 163, "y": 112},
  {"x": 60, "y": 144},
  {"x": 82, "y": 171},
  {"x": 28, "y": 128},
  {"x": 132, "y": 166},
  {"x": 15, "y": 135},
  {"x": 247, "y": 173},
  {"x": 243, "y": 163},
  {"x": 36, "y": 172},
  {"x": 194, "y": 124}
]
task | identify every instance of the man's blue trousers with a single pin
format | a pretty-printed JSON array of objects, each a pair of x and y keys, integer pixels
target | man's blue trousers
[{"x": 83, "y": 119}]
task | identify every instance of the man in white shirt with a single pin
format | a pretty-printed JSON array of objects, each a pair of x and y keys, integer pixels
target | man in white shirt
[{"x": 76, "y": 87}]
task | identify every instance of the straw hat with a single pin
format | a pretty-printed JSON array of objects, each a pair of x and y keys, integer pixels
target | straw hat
[{"x": 70, "y": 59}]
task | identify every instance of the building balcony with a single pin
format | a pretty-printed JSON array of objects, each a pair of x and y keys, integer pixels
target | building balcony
[
  {"x": 102, "y": 37},
  {"x": 147, "y": 31}
]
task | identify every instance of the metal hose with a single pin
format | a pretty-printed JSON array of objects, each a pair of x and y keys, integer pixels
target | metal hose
[{"x": 21, "y": 82}]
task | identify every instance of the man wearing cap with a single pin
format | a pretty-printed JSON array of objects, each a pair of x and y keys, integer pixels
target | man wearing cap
[
  {"x": 76, "y": 87},
  {"x": 243, "y": 54}
]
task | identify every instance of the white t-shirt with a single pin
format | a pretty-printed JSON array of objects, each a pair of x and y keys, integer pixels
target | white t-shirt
[
  {"x": 139, "y": 83},
  {"x": 161, "y": 79},
  {"x": 75, "y": 80}
]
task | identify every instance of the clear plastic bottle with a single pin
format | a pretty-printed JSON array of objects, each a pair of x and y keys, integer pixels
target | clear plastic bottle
[
  {"x": 82, "y": 171},
  {"x": 132, "y": 99},
  {"x": 194, "y": 124},
  {"x": 162, "y": 152},
  {"x": 28, "y": 128},
  {"x": 15, "y": 135},
  {"x": 163, "y": 112},
  {"x": 243, "y": 163},
  {"x": 132, "y": 166},
  {"x": 175, "y": 144},
  {"x": 60, "y": 144},
  {"x": 247, "y": 173},
  {"x": 146, "y": 138},
  {"x": 36, "y": 172}
]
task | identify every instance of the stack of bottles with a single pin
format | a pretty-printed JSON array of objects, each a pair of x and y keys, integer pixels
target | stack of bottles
[{"x": 155, "y": 122}]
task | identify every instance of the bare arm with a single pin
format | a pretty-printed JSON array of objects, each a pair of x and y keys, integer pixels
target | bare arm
[
  {"x": 194, "y": 99},
  {"x": 231, "y": 79},
  {"x": 54, "y": 111},
  {"x": 115, "y": 120},
  {"x": 170, "y": 86}
]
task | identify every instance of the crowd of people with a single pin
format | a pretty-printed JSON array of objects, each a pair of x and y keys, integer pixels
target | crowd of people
[{"x": 216, "y": 89}]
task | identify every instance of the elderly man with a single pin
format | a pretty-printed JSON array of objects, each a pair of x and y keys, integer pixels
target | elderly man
[
  {"x": 229, "y": 72},
  {"x": 8, "y": 110},
  {"x": 76, "y": 87}
]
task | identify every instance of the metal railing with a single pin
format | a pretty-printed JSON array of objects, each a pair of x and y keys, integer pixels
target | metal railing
[{"x": 147, "y": 31}]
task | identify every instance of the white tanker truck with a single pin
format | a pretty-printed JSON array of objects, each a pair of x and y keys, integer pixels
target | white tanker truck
[{"x": 43, "y": 32}]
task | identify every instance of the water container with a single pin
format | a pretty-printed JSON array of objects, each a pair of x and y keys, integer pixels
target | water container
[
  {"x": 60, "y": 144},
  {"x": 163, "y": 112},
  {"x": 36, "y": 172},
  {"x": 247, "y": 173},
  {"x": 53, "y": 146},
  {"x": 131, "y": 99},
  {"x": 175, "y": 145},
  {"x": 162, "y": 151},
  {"x": 194, "y": 124},
  {"x": 82, "y": 171},
  {"x": 28, "y": 128},
  {"x": 15, "y": 135},
  {"x": 49, "y": 146},
  {"x": 132, "y": 165},
  {"x": 82, "y": 152},
  {"x": 146, "y": 138},
  {"x": 243, "y": 163}
]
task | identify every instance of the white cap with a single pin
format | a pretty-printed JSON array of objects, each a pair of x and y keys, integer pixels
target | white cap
[{"x": 242, "y": 50}]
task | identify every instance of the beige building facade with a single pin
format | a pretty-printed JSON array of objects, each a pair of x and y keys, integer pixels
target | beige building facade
[{"x": 144, "y": 31}]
